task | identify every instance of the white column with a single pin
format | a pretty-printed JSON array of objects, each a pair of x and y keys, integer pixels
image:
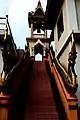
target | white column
[{"x": 31, "y": 29}]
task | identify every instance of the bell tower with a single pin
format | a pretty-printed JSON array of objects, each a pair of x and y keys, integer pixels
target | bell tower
[{"x": 38, "y": 42}]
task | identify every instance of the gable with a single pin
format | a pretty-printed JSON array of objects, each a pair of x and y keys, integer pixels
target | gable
[{"x": 39, "y": 42}]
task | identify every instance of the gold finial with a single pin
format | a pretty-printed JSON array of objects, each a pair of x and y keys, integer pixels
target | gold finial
[{"x": 2, "y": 77}]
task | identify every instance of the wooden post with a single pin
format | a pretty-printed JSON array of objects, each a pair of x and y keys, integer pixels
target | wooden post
[
  {"x": 72, "y": 108},
  {"x": 4, "y": 100}
]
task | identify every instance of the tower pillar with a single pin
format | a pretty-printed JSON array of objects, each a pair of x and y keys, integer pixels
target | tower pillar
[
  {"x": 32, "y": 29},
  {"x": 46, "y": 33}
]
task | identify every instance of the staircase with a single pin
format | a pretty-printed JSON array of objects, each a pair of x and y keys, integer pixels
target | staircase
[
  {"x": 41, "y": 104},
  {"x": 36, "y": 101}
]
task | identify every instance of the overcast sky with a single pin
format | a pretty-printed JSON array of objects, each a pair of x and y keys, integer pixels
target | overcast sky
[{"x": 17, "y": 11}]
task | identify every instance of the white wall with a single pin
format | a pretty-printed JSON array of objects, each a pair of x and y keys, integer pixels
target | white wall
[
  {"x": 69, "y": 21},
  {"x": 78, "y": 12},
  {"x": 59, "y": 43},
  {"x": 64, "y": 58},
  {"x": 72, "y": 16}
]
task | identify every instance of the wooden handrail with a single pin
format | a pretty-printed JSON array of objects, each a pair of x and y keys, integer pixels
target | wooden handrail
[
  {"x": 70, "y": 84},
  {"x": 14, "y": 67},
  {"x": 69, "y": 102},
  {"x": 6, "y": 101},
  {"x": 12, "y": 40}
]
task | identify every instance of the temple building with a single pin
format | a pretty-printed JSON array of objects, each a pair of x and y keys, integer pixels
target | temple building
[
  {"x": 42, "y": 83},
  {"x": 38, "y": 42}
]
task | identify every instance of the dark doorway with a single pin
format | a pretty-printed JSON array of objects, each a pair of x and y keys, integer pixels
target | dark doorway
[{"x": 38, "y": 49}]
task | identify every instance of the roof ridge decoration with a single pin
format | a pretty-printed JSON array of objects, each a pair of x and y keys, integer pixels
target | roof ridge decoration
[{"x": 39, "y": 6}]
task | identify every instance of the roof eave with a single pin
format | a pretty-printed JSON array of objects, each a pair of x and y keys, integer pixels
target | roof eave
[{"x": 52, "y": 10}]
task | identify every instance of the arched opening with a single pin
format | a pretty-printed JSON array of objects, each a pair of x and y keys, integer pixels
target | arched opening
[{"x": 38, "y": 49}]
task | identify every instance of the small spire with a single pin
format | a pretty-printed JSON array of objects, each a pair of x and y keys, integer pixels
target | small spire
[
  {"x": 39, "y": 5},
  {"x": 7, "y": 16},
  {"x": 39, "y": 2}
]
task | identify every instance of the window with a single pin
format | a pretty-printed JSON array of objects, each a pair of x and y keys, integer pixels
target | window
[{"x": 60, "y": 25}]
